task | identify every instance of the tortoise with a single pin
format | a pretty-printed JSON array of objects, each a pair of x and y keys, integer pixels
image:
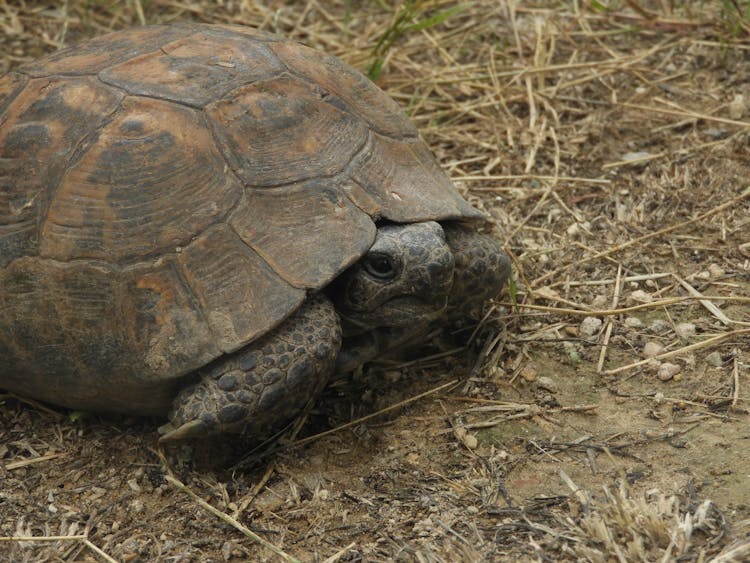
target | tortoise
[{"x": 206, "y": 222}]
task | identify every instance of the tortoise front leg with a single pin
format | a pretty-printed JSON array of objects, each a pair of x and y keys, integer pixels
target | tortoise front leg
[{"x": 257, "y": 390}]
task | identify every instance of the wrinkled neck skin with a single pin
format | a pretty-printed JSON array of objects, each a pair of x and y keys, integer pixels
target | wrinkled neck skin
[
  {"x": 414, "y": 279},
  {"x": 367, "y": 346}
]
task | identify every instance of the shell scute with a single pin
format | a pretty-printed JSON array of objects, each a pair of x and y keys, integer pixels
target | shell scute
[
  {"x": 241, "y": 295},
  {"x": 41, "y": 131},
  {"x": 358, "y": 93},
  {"x": 195, "y": 70},
  {"x": 10, "y": 85},
  {"x": 151, "y": 182},
  {"x": 282, "y": 131},
  {"x": 304, "y": 215},
  {"x": 407, "y": 182},
  {"x": 137, "y": 331},
  {"x": 94, "y": 55}
]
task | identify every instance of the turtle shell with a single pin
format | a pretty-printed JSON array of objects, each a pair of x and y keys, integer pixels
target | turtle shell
[{"x": 170, "y": 193}]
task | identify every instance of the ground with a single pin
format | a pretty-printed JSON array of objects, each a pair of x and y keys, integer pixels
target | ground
[{"x": 601, "y": 411}]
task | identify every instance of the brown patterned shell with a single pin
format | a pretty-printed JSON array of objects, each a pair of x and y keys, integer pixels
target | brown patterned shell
[{"x": 170, "y": 193}]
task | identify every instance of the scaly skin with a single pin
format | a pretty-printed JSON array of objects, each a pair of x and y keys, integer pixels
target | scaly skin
[
  {"x": 481, "y": 270},
  {"x": 412, "y": 275},
  {"x": 256, "y": 390}
]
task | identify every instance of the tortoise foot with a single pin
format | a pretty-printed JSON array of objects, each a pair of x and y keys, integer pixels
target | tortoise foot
[{"x": 262, "y": 387}]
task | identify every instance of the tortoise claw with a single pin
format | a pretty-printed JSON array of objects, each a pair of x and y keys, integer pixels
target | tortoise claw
[{"x": 192, "y": 429}]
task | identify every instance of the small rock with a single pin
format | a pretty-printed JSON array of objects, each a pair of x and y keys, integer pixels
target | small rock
[
  {"x": 392, "y": 375},
  {"x": 685, "y": 330},
  {"x": 471, "y": 442},
  {"x": 716, "y": 132},
  {"x": 467, "y": 439},
  {"x": 227, "y": 550},
  {"x": 703, "y": 275},
  {"x": 635, "y": 156},
  {"x": 633, "y": 322},
  {"x": 652, "y": 349},
  {"x": 528, "y": 373},
  {"x": 547, "y": 383},
  {"x": 658, "y": 326},
  {"x": 715, "y": 271},
  {"x": 571, "y": 351},
  {"x": 137, "y": 506},
  {"x": 573, "y": 230},
  {"x": 714, "y": 359},
  {"x": 667, "y": 371},
  {"x": 600, "y": 302},
  {"x": 737, "y": 107},
  {"x": 547, "y": 293},
  {"x": 590, "y": 327},
  {"x": 640, "y": 296}
]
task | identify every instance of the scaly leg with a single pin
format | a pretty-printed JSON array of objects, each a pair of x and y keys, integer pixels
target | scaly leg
[{"x": 260, "y": 388}]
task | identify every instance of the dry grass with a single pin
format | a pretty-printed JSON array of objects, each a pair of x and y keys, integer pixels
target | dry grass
[{"x": 610, "y": 144}]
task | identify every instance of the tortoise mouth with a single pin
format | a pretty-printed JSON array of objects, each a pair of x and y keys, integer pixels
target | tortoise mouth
[
  {"x": 420, "y": 307},
  {"x": 399, "y": 311}
]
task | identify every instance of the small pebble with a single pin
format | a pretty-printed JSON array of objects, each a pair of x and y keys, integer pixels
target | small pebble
[
  {"x": 547, "y": 383},
  {"x": 652, "y": 349},
  {"x": 685, "y": 330},
  {"x": 392, "y": 376},
  {"x": 658, "y": 326},
  {"x": 716, "y": 132},
  {"x": 738, "y": 107},
  {"x": 227, "y": 550},
  {"x": 640, "y": 296},
  {"x": 716, "y": 271},
  {"x": 667, "y": 371},
  {"x": 633, "y": 156},
  {"x": 528, "y": 373},
  {"x": 590, "y": 327},
  {"x": 600, "y": 302},
  {"x": 633, "y": 322},
  {"x": 571, "y": 330},
  {"x": 576, "y": 228},
  {"x": 714, "y": 359}
]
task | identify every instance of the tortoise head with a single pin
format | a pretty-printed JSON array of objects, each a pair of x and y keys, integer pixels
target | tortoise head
[{"x": 404, "y": 279}]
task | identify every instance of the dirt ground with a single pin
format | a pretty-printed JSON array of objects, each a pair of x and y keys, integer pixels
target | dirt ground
[{"x": 610, "y": 144}]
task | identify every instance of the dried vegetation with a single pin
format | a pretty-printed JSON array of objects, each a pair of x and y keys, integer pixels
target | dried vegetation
[{"x": 607, "y": 416}]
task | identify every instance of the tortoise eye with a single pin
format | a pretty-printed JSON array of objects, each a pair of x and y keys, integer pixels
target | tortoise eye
[{"x": 379, "y": 266}]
